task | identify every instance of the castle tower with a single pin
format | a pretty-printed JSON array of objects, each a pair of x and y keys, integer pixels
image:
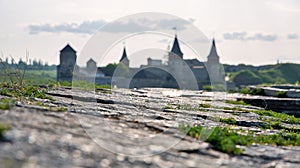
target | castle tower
[
  {"x": 213, "y": 57},
  {"x": 175, "y": 52},
  {"x": 67, "y": 63},
  {"x": 175, "y": 56},
  {"x": 91, "y": 65},
  {"x": 176, "y": 64},
  {"x": 214, "y": 68},
  {"x": 124, "y": 59}
]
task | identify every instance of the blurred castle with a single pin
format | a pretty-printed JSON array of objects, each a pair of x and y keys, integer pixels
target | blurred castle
[
  {"x": 176, "y": 73},
  {"x": 67, "y": 64}
]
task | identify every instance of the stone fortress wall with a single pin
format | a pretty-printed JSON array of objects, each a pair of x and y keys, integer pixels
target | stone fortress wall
[{"x": 177, "y": 73}]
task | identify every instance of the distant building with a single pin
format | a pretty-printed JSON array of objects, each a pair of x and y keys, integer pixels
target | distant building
[
  {"x": 67, "y": 64},
  {"x": 90, "y": 71},
  {"x": 91, "y": 65},
  {"x": 154, "y": 62}
]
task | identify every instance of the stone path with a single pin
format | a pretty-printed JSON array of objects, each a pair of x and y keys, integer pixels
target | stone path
[{"x": 127, "y": 128}]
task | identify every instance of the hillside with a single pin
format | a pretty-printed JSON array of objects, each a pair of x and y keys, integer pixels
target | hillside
[
  {"x": 278, "y": 74},
  {"x": 290, "y": 72}
]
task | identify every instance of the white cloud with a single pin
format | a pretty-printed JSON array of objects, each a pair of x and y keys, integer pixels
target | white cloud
[
  {"x": 243, "y": 36},
  {"x": 86, "y": 27},
  {"x": 292, "y": 36},
  {"x": 90, "y": 27}
]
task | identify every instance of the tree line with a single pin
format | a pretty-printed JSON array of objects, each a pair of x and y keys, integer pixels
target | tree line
[{"x": 28, "y": 64}]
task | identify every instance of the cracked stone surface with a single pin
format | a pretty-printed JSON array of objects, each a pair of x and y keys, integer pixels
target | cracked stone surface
[{"x": 129, "y": 128}]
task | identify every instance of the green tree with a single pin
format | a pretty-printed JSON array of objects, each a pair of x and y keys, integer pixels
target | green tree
[
  {"x": 122, "y": 70},
  {"x": 109, "y": 69}
]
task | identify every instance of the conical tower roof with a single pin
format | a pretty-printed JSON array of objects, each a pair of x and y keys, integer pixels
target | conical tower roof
[
  {"x": 213, "y": 50},
  {"x": 176, "y": 48},
  {"x": 124, "y": 55}
]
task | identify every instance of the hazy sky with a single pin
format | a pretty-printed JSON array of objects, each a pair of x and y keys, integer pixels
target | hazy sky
[{"x": 247, "y": 31}]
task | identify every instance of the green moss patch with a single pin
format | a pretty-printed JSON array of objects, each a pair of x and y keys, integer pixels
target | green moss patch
[
  {"x": 23, "y": 91},
  {"x": 6, "y": 104},
  {"x": 3, "y": 128},
  {"x": 239, "y": 102},
  {"x": 274, "y": 116},
  {"x": 228, "y": 141}
]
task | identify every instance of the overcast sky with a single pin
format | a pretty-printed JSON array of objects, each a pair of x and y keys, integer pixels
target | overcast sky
[{"x": 247, "y": 31}]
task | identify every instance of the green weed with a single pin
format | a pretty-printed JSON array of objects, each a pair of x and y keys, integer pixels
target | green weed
[
  {"x": 226, "y": 140},
  {"x": 3, "y": 128},
  {"x": 281, "y": 94},
  {"x": 204, "y": 106},
  {"x": 282, "y": 117},
  {"x": 24, "y": 91},
  {"x": 58, "y": 109},
  {"x": 6, "y": 104},
  {"x": 230, "y": 120},
  {"x": 235, "y": 109},
  {"x": 239, "y": 102}
]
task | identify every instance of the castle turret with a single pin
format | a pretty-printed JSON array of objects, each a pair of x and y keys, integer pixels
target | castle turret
[
  {"x": 213, "y": 56},
  {"x": 175, "y": 56},
  {"x": 124, "y": 59},
  {"x": 176, "y": 48},
  {"x": 67, "y": 64},
  {"x": 176, "y": 64},
  {"x": 214, "y": 68},
  {"x": 91, "y": 65},
  {"x": 68, "y": 56}
]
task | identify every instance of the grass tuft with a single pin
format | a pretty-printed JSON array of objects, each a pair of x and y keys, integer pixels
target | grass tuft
[
  {"x": 3, "y": 128},
  {"x": 239, "y": 102},
  {"x": 6, "y": 104},
  {"x": 23, "y": 91},
  {"x": 226, "y": 140},
  {"x": 230, "y": 120},
  {"x": 281, "y": 117}
]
